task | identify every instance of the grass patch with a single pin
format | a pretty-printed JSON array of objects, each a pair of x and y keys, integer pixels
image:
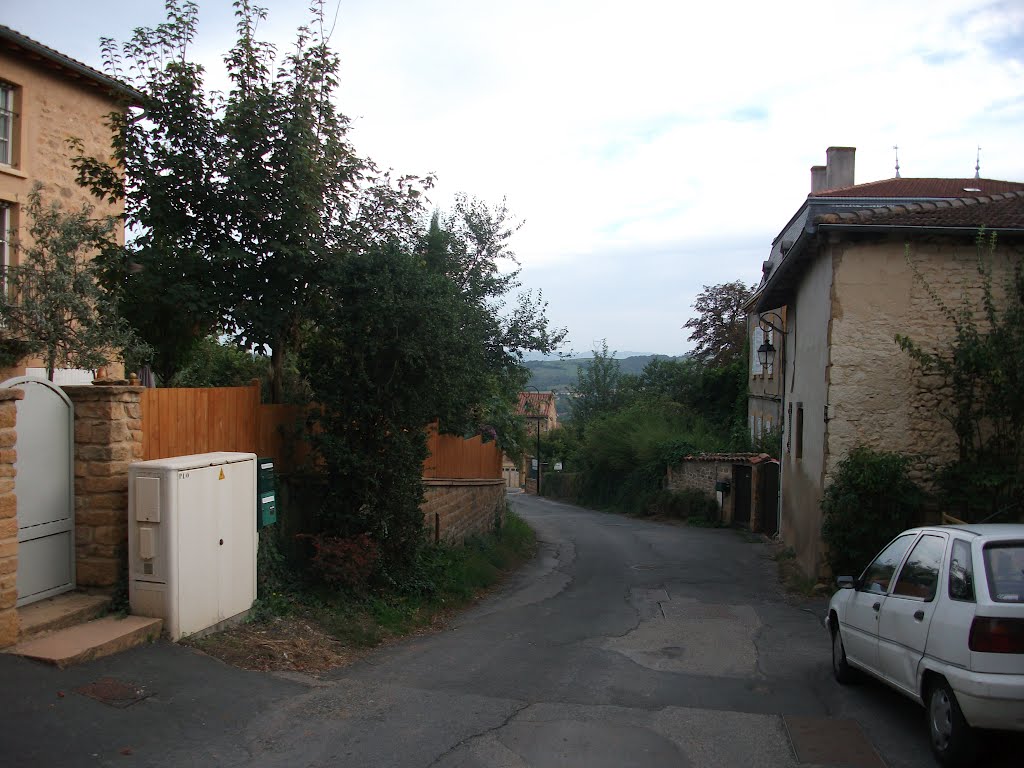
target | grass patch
[{"x": 313, "y": 630}]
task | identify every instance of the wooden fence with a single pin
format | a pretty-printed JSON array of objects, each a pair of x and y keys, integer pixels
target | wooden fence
[
  {"x": 179, "y": 422},
  {"x": 452, "y": 457}
]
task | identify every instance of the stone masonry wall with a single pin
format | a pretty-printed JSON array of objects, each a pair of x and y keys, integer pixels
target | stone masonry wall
[
  {"x": 702, "y": 474},
  {"x": 108, "y": 437},
  {"x": 8, "y": 517},
  {"x": 456, "y": 509},
  {"x": 877, "y": 397}
]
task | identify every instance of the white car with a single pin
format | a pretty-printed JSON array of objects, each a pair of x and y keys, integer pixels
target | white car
[{"x": 939, "y": 616}]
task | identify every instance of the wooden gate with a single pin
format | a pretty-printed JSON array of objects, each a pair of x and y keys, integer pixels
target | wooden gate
[
  {"x": 44, "y": 485},
  {"x": 769, "y": 498},
  {"x": 741, "y": 475}
]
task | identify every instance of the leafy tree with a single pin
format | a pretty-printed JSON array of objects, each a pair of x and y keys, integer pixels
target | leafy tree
[
  {"x": 51, "y": 300},
  {"x": 169, "y": 281},
  {"x": 720, "y": 327},
  {"x": 213, "y": 364},
  {"x": 598, "y": 388},
  {"x": 289, "y": 172},
  {"x": 983, "y": 365},
  {"x": 384, "y": 357}
]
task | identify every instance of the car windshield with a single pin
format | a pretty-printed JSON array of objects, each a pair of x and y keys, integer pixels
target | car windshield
[{"x": 1004, "y": 565}]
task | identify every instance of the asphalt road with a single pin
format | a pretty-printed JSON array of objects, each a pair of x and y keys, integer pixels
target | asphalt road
[{"x": 624, "y": 643}]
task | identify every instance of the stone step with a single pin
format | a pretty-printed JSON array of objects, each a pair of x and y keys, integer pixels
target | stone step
[
  {"x": 84, "y": 642},
  {"x": 59, "y": 612}
]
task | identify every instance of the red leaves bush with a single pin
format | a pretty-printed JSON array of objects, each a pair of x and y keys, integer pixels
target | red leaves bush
[{"x": 346, "y": 563}]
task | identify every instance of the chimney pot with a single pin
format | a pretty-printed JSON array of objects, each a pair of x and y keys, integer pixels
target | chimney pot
[
  {"x": 839, "y": 163},
  {"x": 817, "y": 178}
]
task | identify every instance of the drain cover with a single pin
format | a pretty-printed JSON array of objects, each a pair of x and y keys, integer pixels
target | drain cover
[
  {"x": 828, "y": 741},
  {"x": 113, "y": 692}
]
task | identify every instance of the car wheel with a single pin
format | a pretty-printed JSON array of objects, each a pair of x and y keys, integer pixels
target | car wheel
[
  {"x": 842, "y": 671},
  {"x": 951, "y": 737}
]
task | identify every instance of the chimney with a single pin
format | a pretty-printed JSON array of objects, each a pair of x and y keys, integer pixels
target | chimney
[
  {"x": 818, "y": 178},
  {"x": 839, "y": 167}
]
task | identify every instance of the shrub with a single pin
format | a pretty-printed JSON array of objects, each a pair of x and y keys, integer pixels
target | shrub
[
  {"x": 345, "y": 563},
  {"x": 561, "y": 485},
  {"x": 870, "y": 500}
]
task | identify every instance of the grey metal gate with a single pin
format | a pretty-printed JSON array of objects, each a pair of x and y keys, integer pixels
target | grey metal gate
[{"x": 45, "y": 489}]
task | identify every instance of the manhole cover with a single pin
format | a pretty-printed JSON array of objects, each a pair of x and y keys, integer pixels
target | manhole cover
[
  {"x": 827, "y": 741},
  {"x": 113, "y": 692}
]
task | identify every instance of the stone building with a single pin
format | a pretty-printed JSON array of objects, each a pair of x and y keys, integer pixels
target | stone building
[
  {"x": 538, "y": 410},
  {"x": 839, "y": 285},
  {"x": 47, "y": 98}
]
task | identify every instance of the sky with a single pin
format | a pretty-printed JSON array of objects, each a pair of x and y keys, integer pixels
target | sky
[{"x": 649, "y": 148}]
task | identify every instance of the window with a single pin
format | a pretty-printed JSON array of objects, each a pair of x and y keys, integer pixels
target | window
[
  {"x": 5, "y": 251},
  {"x": 755, "y": 359},
  {"x": 7, "y": 117},
  {"x": 961, "y": 572},
  {"x": 1005, "y": 566},
  {"x": 877, "y": 575},
  {"x": 919, "y": 576}
]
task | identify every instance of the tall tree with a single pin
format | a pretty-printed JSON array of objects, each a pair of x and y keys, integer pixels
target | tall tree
[
  {"x": 51, "y": 301},
  {"x": 598, "y": 389},
  {"x": 166, "y": 168},
  {"x": 289, "y": 172},
  {"x": 720, "y": 327}
]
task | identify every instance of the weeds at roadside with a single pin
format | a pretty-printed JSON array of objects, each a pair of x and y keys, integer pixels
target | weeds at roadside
[{"x": 312, "y": 630}]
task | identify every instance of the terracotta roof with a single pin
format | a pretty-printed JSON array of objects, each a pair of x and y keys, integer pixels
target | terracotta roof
[
  {"x": 730, "y": 458},
  {"x": 13, "y": 40},
  {"x": 924, "y": 188},
  {"x": 532, "y": 404},
  {"x": 996, "y": 211}
]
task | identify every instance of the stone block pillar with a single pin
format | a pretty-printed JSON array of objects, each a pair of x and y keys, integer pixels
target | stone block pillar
[
  {"x": 8, "y": 517},
  {"x": 108, "y": 437}
]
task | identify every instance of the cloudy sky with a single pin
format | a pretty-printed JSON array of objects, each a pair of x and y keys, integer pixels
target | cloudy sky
[{"x": 651, "y": 147}]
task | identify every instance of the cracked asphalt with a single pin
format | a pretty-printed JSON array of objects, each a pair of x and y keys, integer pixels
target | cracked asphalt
[{"x": 623, "y": 643}]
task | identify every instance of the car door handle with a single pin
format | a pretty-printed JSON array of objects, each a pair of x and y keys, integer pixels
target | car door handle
[
  {"x": 876, "y": 606},
  {"x": 919, "y": 615}
]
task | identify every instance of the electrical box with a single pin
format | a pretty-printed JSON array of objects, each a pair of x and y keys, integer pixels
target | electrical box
[
  {"x": 266, "y": 490},
  {"x": 192, "y": 540}
]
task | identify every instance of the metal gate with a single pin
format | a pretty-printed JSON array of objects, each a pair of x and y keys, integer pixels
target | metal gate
[
  {"x": 44, "y": 486},
  {"x": 741, "y": 474}
]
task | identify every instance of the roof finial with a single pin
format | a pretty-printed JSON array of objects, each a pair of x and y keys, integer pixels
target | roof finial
[
  {"x": 977, "y": 165},
  {"x": 896, "y": 149}
]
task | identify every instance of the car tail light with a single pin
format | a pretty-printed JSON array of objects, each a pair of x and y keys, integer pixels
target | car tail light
[{"x": 991, "y": 635}]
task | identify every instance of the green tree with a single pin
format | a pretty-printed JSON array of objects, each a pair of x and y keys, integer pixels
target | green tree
[
  {"x": 720, "y": 327},
  {"x": 51, "y": 301},
  {"x": 598, "y": 389},
  {"x": 169, "y": 281},
  {"x": 983, "y": 365},
  {"x": 289, "y": 172}
]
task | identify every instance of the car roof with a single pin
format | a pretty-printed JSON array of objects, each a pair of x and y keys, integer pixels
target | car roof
[{"x": 988, "y": 530}]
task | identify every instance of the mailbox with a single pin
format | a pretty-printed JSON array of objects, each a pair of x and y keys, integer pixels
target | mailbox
[
  {"x": 266, "y": 493},
  {"x": 722, "y": 486}
]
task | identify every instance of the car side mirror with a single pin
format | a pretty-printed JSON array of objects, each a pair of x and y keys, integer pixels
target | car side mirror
[{"x": 846, "y": 582}]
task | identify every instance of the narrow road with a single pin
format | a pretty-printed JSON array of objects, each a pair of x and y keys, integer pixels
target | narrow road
[{"x": 624, "y": 643}]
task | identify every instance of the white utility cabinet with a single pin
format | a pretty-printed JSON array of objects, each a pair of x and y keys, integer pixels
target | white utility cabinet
[{"x": 192, "y": 539}]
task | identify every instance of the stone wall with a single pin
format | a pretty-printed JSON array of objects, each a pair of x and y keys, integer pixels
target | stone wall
[
  {"x": 702, "y": 472},
  {"x": 877, "y": 397},
  {"x": 8, "y": 517},
  {"x": 456, "y": 509},
  {"x": 108, "y": 437}
]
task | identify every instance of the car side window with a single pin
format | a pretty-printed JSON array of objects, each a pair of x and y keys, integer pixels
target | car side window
[
  {"x": 877, "y": 576},
  {"x": 961, "y": 572},
  {"x": 919, "y": 577}
]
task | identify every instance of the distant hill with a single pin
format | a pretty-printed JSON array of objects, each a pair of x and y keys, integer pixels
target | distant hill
[{"x": 559, "y": 375}]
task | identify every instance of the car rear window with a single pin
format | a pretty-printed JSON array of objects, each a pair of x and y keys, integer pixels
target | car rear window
[{"x": 1004, "y": 566}]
